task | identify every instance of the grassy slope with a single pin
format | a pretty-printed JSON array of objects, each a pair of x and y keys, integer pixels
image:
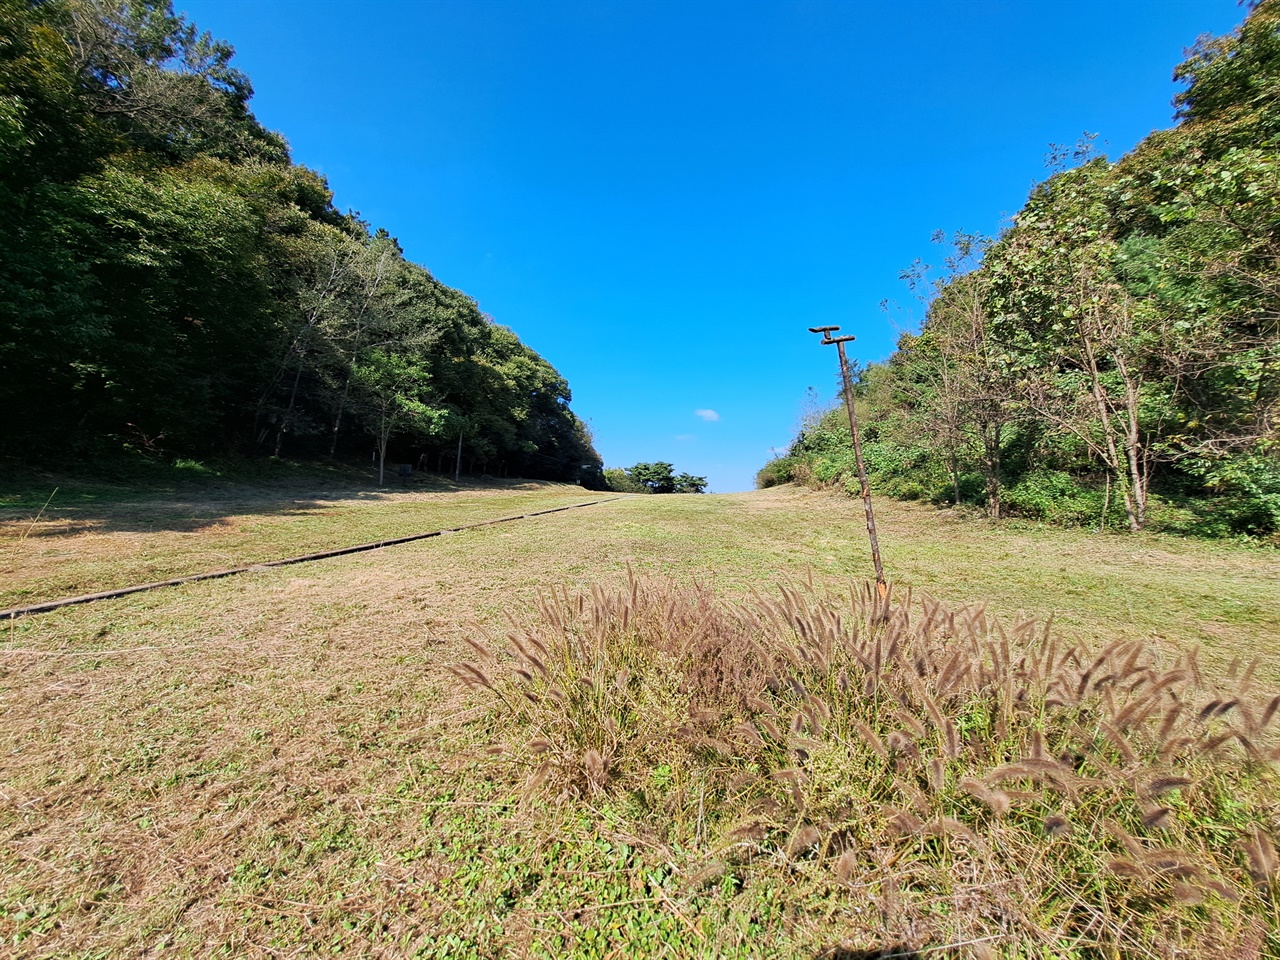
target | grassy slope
[
  {"x": 92, "y": 538},
  {"x": 245, "y": 766}
]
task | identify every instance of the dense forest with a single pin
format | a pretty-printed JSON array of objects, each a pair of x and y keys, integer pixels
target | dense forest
[
  {"x": 171, "y": 284},
  {"x": 1113, "y": 358}
]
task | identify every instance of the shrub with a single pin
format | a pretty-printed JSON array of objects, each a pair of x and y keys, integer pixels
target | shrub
[
  {"x": 619, "y": 481},
  {"x": 834, "y": 466},
  {"x": 1057, "y": 497},
  {"x": 975, "y": 783},
  {"x": 1235, "y": 497},
  {"x": 973, "y": 489},
  {"x": 774, "y": 473}
]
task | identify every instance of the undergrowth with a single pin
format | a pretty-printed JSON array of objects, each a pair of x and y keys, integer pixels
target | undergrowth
[{"x": 906, "y": 774}]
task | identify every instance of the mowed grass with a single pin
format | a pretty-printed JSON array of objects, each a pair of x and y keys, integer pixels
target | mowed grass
[
  {"x": 281, "y": 762},
  {"x": 90, "y": 538}
]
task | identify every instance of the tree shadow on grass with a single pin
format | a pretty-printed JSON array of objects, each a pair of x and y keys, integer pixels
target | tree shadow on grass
[
  {"x": 896, "y": 951},
  {"x": 140, "y": 536},
  {"x": 78, "y": 506}
]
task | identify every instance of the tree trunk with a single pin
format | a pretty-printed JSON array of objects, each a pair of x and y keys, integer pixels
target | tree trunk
[
  {"x": 1114, "y": 461},
  {"x": 342, "y": 404},
  {"x": 271, "y": 387},
  {"x": 337, "y": 421},
  {"x": 372, "y": 285},
  {"x": 310, "y": 320},
  {"x": 991, "y": 468},
  {"x": 288, "y": 414},
  {"x": 1135, "y": 455}
]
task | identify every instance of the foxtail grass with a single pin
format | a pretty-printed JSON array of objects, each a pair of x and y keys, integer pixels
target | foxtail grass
[{"x": 933, "y": 776}]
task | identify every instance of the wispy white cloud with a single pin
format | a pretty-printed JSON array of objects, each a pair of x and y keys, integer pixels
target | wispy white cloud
[
  {"x": 686, "y": 436},
  {"x": 709, "y": 415}
]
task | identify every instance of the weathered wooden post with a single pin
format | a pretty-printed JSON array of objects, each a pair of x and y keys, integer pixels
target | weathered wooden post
[{"x": 882, "y": 587}]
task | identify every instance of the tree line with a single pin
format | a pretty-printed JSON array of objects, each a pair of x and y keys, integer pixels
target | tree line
[
  {"x": 1114, "y": 357},
  {"x": 172, "y": 284}
]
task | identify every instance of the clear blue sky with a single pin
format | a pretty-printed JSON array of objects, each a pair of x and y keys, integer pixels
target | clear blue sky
[{"x": 659, "y": 197}]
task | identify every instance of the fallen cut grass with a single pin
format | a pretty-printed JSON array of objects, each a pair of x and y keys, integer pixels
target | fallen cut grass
[
  {"x": 281, "y": 762},
  {"x": 95, "y": 538},
  {"x": 972, "y": 784}
]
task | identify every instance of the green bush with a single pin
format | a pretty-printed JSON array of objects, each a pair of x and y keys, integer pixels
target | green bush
[
  {"x": 833, "y": 466},
  {"x": 774, "y": 473},
  {"x": 619, "y": 481},
  {"x": 887, "y": 459},
  {"x": 1226, "y": 516},
  {"x": 973, "y": 489},
  {"x": 1243, "y": 497},
  {"x": 1058, "y": 497},
  {"x": 904, "y": 488}
]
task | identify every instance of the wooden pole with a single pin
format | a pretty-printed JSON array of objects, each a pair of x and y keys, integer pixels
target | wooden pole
[{"x": 882, "y": 586}]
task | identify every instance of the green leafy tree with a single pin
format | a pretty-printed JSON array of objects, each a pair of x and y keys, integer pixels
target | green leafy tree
[
  {"x": 955, "y": 377},
  {"x": 687, "y": 483},
  {"x": 655, "y": 477},
  {"x": 164, "y": 86},
  {"x": 659, "y": 477},
  {"x": 393, "y": 395},
  {"x": 618, "y": 480},
  {"x": 1121, "y": 341},
  {"x": 1233, "y": 82},
  {"x": 170, "y": 282}
]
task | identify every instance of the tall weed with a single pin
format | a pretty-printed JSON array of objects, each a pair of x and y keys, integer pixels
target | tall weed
[{"x": 964, "y": 780}]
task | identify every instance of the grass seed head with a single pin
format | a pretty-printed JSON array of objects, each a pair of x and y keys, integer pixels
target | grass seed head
[
  {"x": 1258, "y": 847},
  {"x": 1057, "y": 744},
  {"x": 596, "y": 769},
  {"x": 846, "y": 866},
  {"x": 1056, "y": 825},
  {"x": 997, "y": 801},
  {"x": 1158, "y": 786},
  {"x": 1123, "y": 867},
  {"x": 803, "y": 841},
  {"x": 937, "y": 774},
  {"x": 1188, "y": 894},
  {"x": 1269, "y": 713}
]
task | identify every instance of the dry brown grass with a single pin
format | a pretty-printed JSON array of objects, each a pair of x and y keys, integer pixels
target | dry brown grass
[
  {"x": 89, "y": 546},
  {"x": 253, "y": 766}
]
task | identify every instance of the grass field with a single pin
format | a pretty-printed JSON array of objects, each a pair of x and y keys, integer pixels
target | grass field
[
  {"x": 281, "y": 763},
  {"x": 89, "y": 538}
]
